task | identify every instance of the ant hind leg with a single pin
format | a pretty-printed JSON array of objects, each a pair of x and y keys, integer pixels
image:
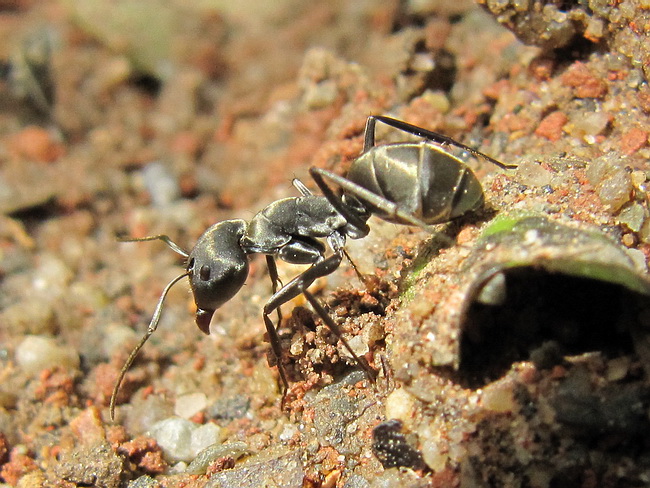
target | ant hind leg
[{"x": 427, "y": 134}]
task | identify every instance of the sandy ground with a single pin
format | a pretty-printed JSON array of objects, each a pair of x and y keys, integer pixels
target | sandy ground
[{"x": 511, "y": 345}]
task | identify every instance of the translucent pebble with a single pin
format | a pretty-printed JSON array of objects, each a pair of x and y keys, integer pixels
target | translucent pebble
[
  {"x": 36, "y": 353},
  {"x": 52, "y": 276},
  {"x": 161, "y": 184},
  {"x": 145, "y": 481},
  {"x": 590, "y": 124},
  {"x": 191, "y": 404},
  {"x": 499, "y": 397},
  {"x": 644, "y": 232},
  {"x": 31, "y": 315},
  {"x": 638, "y": 178},
  {"x": 400, "y": 405},
  {"x": 204, "y": 436},
  {"x": 203, "y": 459},
  {"x": 612, "y": 183},
  {"x": 174, "y": 436},
  {"x": 533, "y": 174},
  {"x": 595, "y": 28},
  {"x": 115, "y": 338},
  {"x": 615, "y": 190},
  {"x": 434, "y": 457},
  {"x": 632, "y": 217},
  {"x": 359, "y": 345},
  {"x": 263, "y": 383},
  {"x": 288, "y": 432},
  {"x": 617, "y": 368},
  {"x": 319, "y": 95},
  {"x": 597, "y": 170},
  {"x": 145, "y": 412}
]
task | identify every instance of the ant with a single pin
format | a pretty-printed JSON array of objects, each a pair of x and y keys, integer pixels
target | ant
[{"x": 408, "y": 183}]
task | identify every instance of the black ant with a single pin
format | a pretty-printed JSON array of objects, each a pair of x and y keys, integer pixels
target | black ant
[{"x": 409, "y": 183}]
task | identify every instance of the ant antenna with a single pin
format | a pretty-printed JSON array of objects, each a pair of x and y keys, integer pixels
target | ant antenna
[
  {"x": 155, "y": 319},
  {"x": 153, "y": 325},
  {"x": 160, "y": 237}
]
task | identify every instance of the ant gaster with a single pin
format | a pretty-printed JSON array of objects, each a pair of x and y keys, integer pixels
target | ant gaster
[{"x": 409, "y": 183}]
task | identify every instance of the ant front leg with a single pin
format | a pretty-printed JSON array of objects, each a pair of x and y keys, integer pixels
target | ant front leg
[
  {"x": 275, "y": 280},
  {"x": 287, "y": 293},
  {"x": 291, "y": 290}
]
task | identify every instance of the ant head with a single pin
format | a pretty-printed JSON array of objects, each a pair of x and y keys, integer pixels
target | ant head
[{"x": 217, "y": 268}]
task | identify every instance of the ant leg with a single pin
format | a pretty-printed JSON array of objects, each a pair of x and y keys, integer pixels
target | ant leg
[
  {"x": 350, "y": 216},
  {"x": 359, "y": 274},
  {"x": 300, "y": 186},
  {"x": 298, "y": 286},
  {"x": 427, "y": 134},
  {"x": 288, "y": 292},
  {"x": 369, "y": 133},
  {"x": 276, "y": 347},
  {"x": 325, "y": 317},
  {"x": 275, "y": 280},
  {"x": 386, "y": 206}
]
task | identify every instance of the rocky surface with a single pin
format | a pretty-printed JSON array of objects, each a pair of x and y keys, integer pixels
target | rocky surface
[{"x": 137, "y": 119}]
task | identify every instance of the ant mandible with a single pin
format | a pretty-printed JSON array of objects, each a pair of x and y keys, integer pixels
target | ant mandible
[{"x": 409, "y": 183}]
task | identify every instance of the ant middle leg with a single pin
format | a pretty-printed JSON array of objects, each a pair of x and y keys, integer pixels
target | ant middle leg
[{"x": 357, "y": 222}]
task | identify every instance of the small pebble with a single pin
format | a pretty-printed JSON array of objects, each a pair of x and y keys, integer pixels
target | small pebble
[
  {"x": 551, "y": 126},
  {"x": 589, "y": 124},
  {"x": 203, "y": 459},
  {"x": 319, "y": 95},
  {"x": 359, "y": 345},
  {"x": 174, "y": 436},
  {"x": 632, "y": 217},
  {"x": 644, "y": 232},
  {"x": 204, "y": 436},
  {"x": 144, "y": 482},
  {"x": 36, "y": 144},
  {"x": 617, "y": 368},
  {"x": 638, "y": 179},
  {"x": 499, "y": 397},
  {"x": 161, "y": 184},
  {"x": 612, "y": 183},
  {"x": 615, "y": 190},
  {"x": 115, "y": 337},
  {"x": 434, "y": 455},
  {"x": 633, "y": 140},
  {"x": 146, "y": 412},
  {"x": 30, "y": 315},
  {"x": 628, "y": 240},
  {"x": 36, "y": 353},
  {"x": 189, "y": 405},
  {"x": 400, "y": 405},
  {"x": 288, "y": 432}
]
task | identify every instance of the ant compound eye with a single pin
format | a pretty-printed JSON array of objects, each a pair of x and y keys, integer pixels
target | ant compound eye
[{"x": 204, "y": 272}]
